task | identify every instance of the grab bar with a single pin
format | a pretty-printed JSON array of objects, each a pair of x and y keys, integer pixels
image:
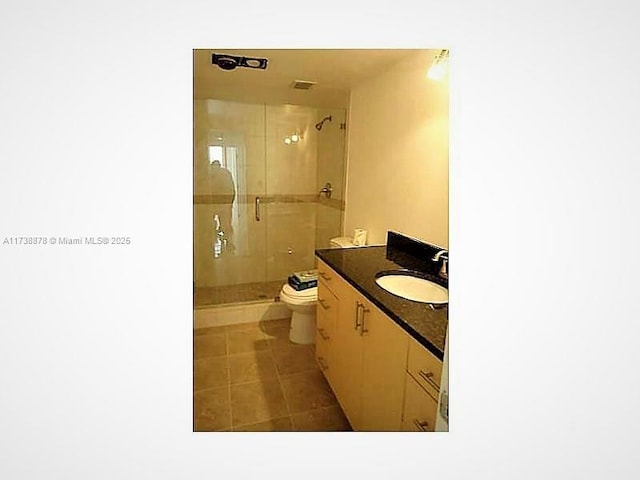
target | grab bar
[{"x": 257, "y": 209}]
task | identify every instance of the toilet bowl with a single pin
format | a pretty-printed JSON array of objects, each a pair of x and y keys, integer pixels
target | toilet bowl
[
  {"x": 302, "y": 303},
  {"x": 303, "y": 313}
]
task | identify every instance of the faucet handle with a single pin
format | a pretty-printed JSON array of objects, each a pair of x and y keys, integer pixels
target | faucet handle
[
  {"x": 443, "y": 257},
  {"x": 444, "y": 272},
  {"x": 326, "y": 190}
]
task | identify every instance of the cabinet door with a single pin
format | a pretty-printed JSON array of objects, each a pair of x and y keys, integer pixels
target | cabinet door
[
  {"x": 346, "y": 376},
  {"x": 384, "y": 362},
  {"x": 419, "y": 408}
]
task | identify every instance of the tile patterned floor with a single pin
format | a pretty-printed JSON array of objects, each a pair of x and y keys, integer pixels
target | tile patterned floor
[
  {"x": 251, "y": 378},
  {"x": 231, "y": 294}
]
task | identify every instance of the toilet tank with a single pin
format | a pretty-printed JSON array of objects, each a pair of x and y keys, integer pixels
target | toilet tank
[{"x": 341, "y": 242}]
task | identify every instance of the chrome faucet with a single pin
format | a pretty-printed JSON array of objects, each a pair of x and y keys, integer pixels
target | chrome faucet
[{"x": 444, "y": 256}]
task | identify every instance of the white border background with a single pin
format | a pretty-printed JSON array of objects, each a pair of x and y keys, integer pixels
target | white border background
[{"x": 95, "y": 344}]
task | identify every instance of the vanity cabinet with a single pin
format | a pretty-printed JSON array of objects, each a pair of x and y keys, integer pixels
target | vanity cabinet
[
  {"x": 422, "y": 388},
  {"x": 367, "y": 355}
]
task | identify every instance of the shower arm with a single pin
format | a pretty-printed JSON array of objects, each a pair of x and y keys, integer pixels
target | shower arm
[{"x": 320, "y": 124}]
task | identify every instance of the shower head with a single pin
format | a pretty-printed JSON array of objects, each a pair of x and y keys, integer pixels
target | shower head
[{"x": 321, "y": 122}]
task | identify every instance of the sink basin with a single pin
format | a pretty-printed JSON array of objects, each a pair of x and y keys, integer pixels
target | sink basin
[{"x": 413, "y": 286}]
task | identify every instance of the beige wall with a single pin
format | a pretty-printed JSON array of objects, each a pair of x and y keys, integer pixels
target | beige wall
[{"x": 397, "y": 174}]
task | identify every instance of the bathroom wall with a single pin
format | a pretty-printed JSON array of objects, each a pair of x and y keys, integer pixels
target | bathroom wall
[{"x": 397, "y": 173}]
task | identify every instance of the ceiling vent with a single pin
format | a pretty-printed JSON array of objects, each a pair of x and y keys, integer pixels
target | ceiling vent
[{"x": 302, "y": 84}]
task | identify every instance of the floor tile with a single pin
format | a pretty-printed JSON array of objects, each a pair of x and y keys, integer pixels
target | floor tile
[
  {"x": 307, "y": 391},
  {"x": 238, "y": 327},
  {"x": 294, "y": 359},
  {"x": 212, "y": 345},
  {"x": 210, "y": 372},
  {"x": 275, "y": 425},
  {"x": 246, "y": 341},
  {"x": 330, "y": 419},
  {"x": 209, "y": 330},
  {"x": 212, "y": 410},
  {"x": 278, "y": 337},
  {"x": 250, "y": 378},
  {"x": 257, "y": 402},
  {"x": 268, "y": 325},
  {"x": 250, "y": 367}
]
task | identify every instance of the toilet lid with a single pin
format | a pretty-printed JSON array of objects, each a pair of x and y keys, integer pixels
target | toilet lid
[{"x": 308, "y": 293}]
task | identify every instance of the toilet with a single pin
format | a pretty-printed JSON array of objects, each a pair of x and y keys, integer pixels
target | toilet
[{"x": 302, "y": 303}]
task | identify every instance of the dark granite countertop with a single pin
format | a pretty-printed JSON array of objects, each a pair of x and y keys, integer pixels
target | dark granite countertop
[{"x": 359, "y": 266}]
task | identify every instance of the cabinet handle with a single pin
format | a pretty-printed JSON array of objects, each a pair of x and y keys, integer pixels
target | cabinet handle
[
  {"x": 321, "y": 301},
  {"x": 325, "y": 276},
  {"x": 422, "y": 426},
  {"x": 428, "y": 377},
  {"x": 362, "y": 329},
  {"x": 358, "y": 306},
  {"x": 321, "y": 332},
  {"x": 322, "y": 364}
]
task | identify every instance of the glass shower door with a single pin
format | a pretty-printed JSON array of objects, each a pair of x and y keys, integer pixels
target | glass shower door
[
  {"x": 258, "y": 214},
  {"x": 300, "y": 159},
  {"x": 229, "y": 175}
]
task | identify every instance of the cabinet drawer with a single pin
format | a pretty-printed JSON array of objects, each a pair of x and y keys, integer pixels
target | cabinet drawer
[
  {"x": 424, "y": 367},
  {"x": 329, "y": 278},
  {"x": 420, "y": 409}
]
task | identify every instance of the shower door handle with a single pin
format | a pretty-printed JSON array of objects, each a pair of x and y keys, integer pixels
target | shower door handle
[{"x": 257, "y": 209}]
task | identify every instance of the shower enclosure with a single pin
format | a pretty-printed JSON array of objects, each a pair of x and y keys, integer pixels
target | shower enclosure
[{"x": 261, "y": 205}]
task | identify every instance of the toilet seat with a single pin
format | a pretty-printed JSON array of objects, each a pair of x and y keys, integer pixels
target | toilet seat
[{"x": 299, "y": 297}]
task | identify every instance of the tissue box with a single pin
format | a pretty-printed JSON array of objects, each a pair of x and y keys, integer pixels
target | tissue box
[
  {"x": 359, "y": 237},
  {"x": 298, "y": 285},
  {"x": 306, "y": 276}
]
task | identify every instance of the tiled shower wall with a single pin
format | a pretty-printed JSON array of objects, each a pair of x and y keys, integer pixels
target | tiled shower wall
[{"x": 294, "y": 219}]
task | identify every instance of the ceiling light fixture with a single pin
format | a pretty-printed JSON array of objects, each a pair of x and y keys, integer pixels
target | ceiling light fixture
[
  {"x": 231, "y": 62},
  {"x": 438, "y": 68}
]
